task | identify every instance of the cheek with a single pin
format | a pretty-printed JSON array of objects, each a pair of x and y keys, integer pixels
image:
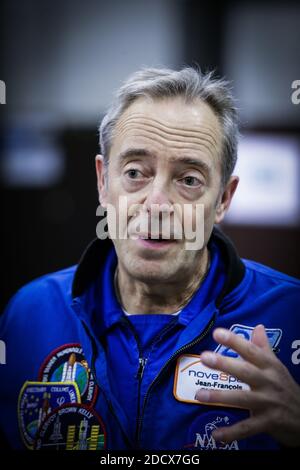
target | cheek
[
  {"x": 205, "y": 213},
  {"x": 114, "y": 192},
  {"x": 206, "y": 217},
  {"x": 209, "y": 212},
  {"x": 114, "y": 187},
  {"x": 209, "y": 219}
]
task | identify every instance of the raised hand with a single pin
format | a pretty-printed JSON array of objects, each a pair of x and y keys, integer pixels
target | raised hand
[{"x": 273, "y": 398}]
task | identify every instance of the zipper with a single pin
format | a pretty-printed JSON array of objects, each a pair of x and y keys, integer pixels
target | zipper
[
  {"x": 163, "y": 369},
  {"x": 142, "y": 364},
  {"x": 109, "y": 403},
  {"x": 93, "y": 370},
  {"x": 143, "y": 361}
]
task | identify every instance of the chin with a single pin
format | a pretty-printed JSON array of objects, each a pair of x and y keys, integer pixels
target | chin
[
  {"x": 151, "y": 272},
  {"x": 151, "y": 277}
]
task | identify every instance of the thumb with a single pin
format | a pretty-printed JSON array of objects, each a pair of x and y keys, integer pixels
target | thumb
[{"x": 259, "y": 337}]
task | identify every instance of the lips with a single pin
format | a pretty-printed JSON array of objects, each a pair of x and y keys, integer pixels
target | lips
[
  {"x": 155, "y": 244},
  {"x": 157, "y": 237}
]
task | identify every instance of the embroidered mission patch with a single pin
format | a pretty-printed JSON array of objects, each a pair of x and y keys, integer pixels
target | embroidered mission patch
[
  {"x": 68, "y": 364},
  {"x": 37, "y": 400},
  {"x": 72, "y": 427}
]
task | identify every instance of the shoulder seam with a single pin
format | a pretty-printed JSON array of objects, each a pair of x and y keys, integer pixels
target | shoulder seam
[{"x": 274, "y": 274}]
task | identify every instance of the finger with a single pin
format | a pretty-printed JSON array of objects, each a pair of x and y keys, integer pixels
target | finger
[
  {"x": 245, "y": 428},
  {"x": 259, "y": 337},
  {"x": 242, "y": 370},
  {"x": 246, "y": 349},
  {"x": 235, "y": 398}
]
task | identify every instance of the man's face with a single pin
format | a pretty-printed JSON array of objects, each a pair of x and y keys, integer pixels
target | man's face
[{"x": 164, "y": 152}]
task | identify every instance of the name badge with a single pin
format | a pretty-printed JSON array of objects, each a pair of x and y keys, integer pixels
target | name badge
[{"x": 191, "y": 375}]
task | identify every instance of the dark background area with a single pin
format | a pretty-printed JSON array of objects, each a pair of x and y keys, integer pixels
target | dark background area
[{"x": 61, "y": 61}]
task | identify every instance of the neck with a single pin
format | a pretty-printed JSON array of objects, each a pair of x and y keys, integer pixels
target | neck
[{"x": 136, "y": 296}]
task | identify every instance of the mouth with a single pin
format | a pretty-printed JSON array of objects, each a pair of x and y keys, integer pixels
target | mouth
[{"x": 155, "y": 243}]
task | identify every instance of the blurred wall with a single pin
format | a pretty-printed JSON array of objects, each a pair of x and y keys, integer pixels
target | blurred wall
[{"x": 67, "y": 57}]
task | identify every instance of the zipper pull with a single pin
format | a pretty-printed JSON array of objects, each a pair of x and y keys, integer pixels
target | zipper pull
[{"x": 142, "y": 364}]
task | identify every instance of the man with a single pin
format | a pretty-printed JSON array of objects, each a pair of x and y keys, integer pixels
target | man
[{"x": 147, "y": 344}]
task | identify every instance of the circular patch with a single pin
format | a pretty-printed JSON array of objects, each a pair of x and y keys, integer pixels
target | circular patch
[
  {"x": 37, "y": 400},
  {"x": 200, "y": 433},
  {"x": 68, "y": 364},
  {"x": 71, "y": 427}
]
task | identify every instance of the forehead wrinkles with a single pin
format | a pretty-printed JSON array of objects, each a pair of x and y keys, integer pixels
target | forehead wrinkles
[
  {"x": 206, "y": 132},
  {"x": 187, "y": 136}
]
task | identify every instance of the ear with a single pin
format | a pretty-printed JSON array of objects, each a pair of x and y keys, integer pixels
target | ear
[
  {"x": 101, "y": 180},
  {"x": 225, "y": 199}
]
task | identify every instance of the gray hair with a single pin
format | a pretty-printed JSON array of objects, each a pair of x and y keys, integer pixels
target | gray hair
[{"x": 188, "y": 82}]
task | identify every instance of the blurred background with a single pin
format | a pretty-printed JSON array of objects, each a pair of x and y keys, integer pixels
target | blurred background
[{"x": 61, "y": 62}]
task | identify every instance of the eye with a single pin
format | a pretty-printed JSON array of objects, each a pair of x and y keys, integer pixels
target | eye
[
  {"x": 191, "y": 181},
  {"x": 133, "y": 173}
]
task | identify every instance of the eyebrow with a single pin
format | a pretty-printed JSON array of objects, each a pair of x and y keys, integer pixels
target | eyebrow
[
  {"x": 141, "y": 152},
  {"x": 192, "y": 161},
  {"x": 135, "y": 152}
]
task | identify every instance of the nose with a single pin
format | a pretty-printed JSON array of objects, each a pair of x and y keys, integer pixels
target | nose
[{"x": 157, "y": 199}]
